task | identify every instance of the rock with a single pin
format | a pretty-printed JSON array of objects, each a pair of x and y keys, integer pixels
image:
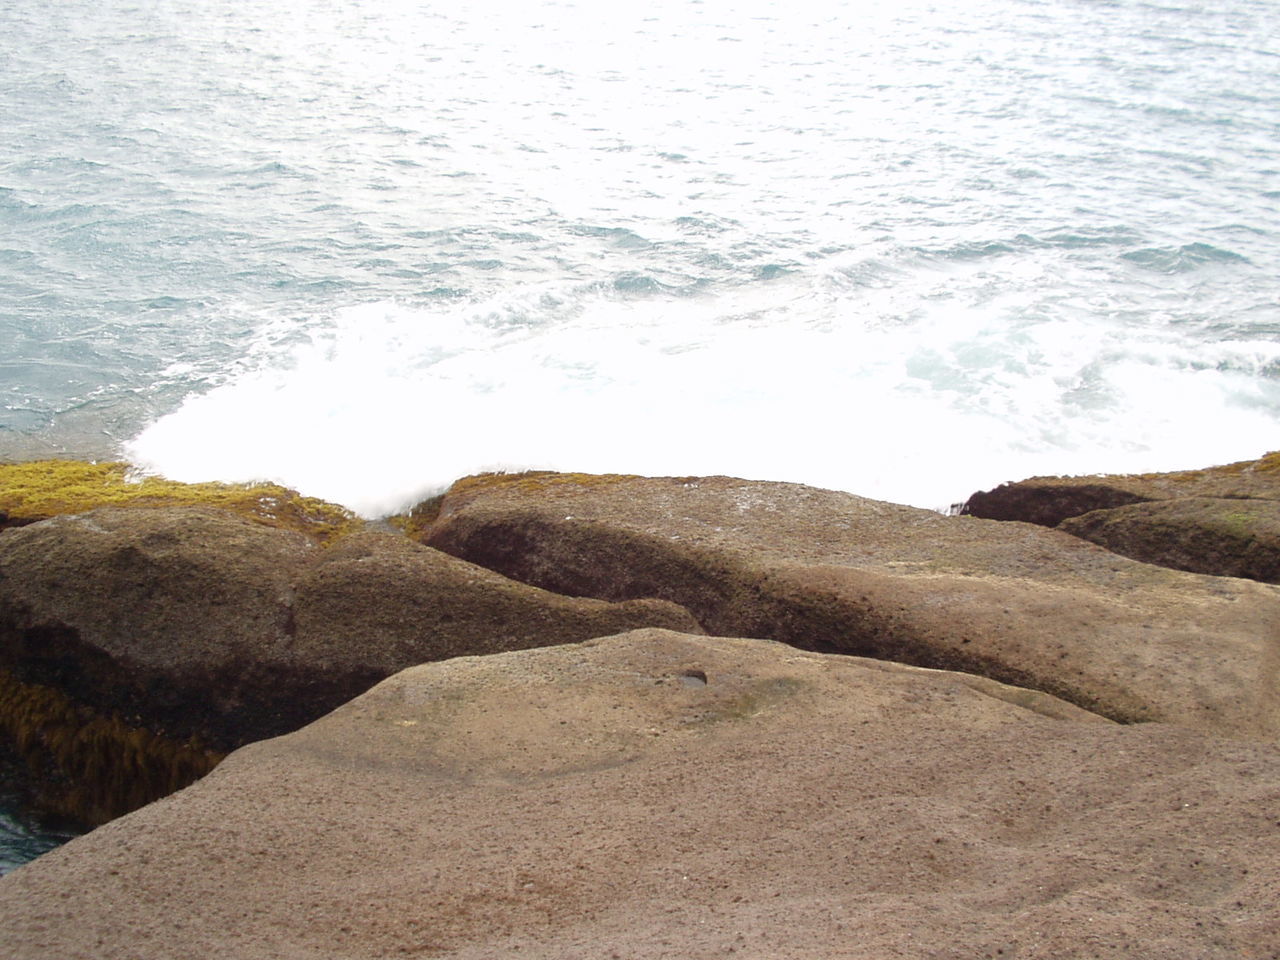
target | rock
[
  {"x": 1204, "y": 534},
  {"x": 835, "y": 572},
  {"x": 139, "y": 645},
  {"x": 377, "y": 603},
  {"x": 1231, "y": 538},
  {"x": 1047, "y": 501},
  {"x": 602, "y": 800},
  {"x": 1050, "y": 500},
  {"x": 7, "y": 521},
  {"x": 180, "y": 616}
]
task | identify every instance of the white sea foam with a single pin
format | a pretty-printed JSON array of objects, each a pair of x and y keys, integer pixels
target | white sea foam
[{"x": 811, "y": 384}]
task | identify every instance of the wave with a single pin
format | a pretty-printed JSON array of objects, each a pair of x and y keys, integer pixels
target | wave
[
  {"x": 797, "y": 380},
  {"x": 1190, "y": 256}
]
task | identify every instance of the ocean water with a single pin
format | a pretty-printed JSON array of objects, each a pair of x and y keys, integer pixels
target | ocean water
[
  {"x": 22, "y": 838},
  {"x": 907, "y": 250}
]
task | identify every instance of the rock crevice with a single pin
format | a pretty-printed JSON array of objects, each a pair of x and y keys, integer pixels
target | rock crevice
[
  {"x": 835, "y": 572},
  {"x": 192, "y": 625}
]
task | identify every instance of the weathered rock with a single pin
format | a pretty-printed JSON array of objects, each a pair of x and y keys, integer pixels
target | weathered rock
[
  {"x": 1231, "y": 538},
  {"x": 831, "y": 571},
  {"x": 7, "y": 521},
  {"x": 378, "y": 602},
  {"x": 178, "y": 616},
  {"x": 137, "y": 645},
  {"x": 601, "y": 800},
  {"x": 1223, "y": 540},
  {"x": 1050, "y": 500}
]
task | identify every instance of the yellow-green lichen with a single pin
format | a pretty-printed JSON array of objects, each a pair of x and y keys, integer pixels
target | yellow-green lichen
[
  {"x": 533, "y": 481},
  {"x": 1266, "y": 464},
  {"x": 88, "y": 766},
  {"x": 417, "y": 522},
  {"x": 44, "y": 488}
]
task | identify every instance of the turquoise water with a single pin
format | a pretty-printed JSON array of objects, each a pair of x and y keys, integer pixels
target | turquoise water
[
  {"x": 905, "y": 250},
  {"x": 22, "y": 838}
]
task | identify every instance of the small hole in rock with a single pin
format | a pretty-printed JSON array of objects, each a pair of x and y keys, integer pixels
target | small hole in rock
[{"x": 693, "y": 678}]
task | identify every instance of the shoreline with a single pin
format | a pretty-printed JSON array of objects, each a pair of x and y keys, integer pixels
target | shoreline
[{"x": 303, "y": 609}]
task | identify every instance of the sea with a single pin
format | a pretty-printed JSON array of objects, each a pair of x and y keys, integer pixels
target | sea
[{"x": 907, "y": 250}]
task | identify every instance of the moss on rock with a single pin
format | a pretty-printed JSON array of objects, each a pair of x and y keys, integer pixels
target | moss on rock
[{"x": 39, "y": 489}]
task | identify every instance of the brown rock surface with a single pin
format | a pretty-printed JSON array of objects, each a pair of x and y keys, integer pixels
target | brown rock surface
[
  {"x": 831, "y": 571},
  {"x": 600, "y": 800},
  {"x": 1230, "y": 538},
  {"x": 207, "y": 630},
  {"x": 379, "y": 602},
  {"x": 1050, "y": 500},
  {"x": 179, "y": 616}
]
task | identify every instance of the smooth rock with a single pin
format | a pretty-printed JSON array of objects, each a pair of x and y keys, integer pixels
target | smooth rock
[
  {"x": 835, "y": 572},
  {"x": 378, "y": 602},
  {"x": 659, "y": 795},
  {"x": 178, "y": 616}
]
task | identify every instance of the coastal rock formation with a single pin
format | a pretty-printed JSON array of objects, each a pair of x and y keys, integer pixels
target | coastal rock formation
[
  {"x": 1219, "y": 520},
  {"x": 1050, "y": 500},
  {"x": 656, "y": 794},
  {"x": 1229, "y": 538},
  {"x": 377, "y": 602},
  {"x": 138, "y": 645},
  {"x": 835, "y": 572}
]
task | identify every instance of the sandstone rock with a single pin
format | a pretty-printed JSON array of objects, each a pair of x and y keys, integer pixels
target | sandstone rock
[
  {"x": 138, "y": 645},
  {"x": 1231, "y": 538},
  {"x": 1223, "y": 540},
  {"x": 179, "y": 616},
  {"x": 602, "y": 800},
  {"x": 377, "y": 603},
  {"x": 1050, "y": 500},
  {"x": 831, "y": 571}
]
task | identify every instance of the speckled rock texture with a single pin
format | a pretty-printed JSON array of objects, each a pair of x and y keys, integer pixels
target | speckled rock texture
[
  {"x": 197, "y": 625},
  {"x": 1223, "y": 520},
  {"x": 1228, "y": 538},
  {"x": 835, "y": 572},
  {"x": 1050, "y": 500},
  {"x": 659, "y": 795}
]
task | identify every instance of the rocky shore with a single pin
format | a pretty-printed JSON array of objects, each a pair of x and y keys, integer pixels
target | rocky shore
[{"x": 581, "y": 716}]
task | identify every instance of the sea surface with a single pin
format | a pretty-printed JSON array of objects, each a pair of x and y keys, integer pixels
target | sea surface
[
  {"x": 22, "y": 837},
  {"x": 909, "y": 250}
]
